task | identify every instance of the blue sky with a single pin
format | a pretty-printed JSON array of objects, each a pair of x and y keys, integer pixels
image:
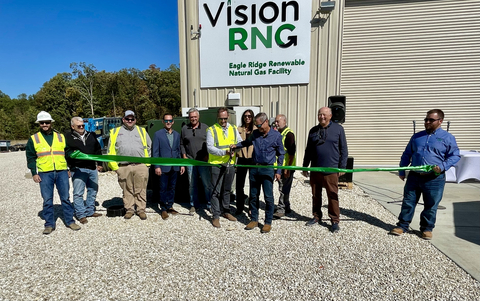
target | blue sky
[{"x": 39, "y": 39}]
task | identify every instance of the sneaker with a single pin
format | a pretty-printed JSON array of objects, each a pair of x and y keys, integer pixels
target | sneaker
[
  {"x": 74, "y": 227},
  {"x": 83, "y": 220},
  {"x": 164, "y": 215},
  {"x": 396, "y": 231},
  {"x": 142, "y": 215},
  {"x": 229, "y": 217},
  {"x": 313, "y": 222},
  {"x": 48, "y": 230},
  {"x": 335, "y": 228},
  {"x": 216, "y": 222},
  {"x": 128, "y": 215},
  {"x": 96, "y": 214},
  {"x": 192, "y": 211},
  {"x": 278, "y": 214},
  {"x": 427, "y": 235},
  {"x": 266, "y": 228},
  {"x": 251, "y": 225},
  {"x": 172, "y": 211}
]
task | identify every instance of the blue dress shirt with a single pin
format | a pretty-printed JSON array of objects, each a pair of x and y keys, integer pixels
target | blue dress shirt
[
  {"x": 266, "y": 148},
  {"x": 437, "y": 148}
]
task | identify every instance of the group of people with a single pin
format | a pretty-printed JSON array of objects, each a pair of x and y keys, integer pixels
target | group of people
[{"x": 262, "y": 149}]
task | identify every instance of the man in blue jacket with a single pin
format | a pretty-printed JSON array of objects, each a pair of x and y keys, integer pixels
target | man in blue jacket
[
  {"x": 166, "y": 144},
  {"x": 326, "y": 147},
  {"x": 434, "y": 146}
]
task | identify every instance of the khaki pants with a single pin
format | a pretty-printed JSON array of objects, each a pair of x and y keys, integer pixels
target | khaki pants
[{"x": 133, "y": 179}]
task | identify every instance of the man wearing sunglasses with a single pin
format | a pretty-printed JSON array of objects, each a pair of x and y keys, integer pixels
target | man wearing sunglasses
[
  {"x": 193, "y": 144},
  {"x": 267, "y": 149},
  {"x": 433, "y": 146},
  {"x": 45, "y": 153},
  {"x": 326, "y": 147},
  {"x": 84, "y": 172},
  {"x": 131, "y": 140},
  {"x": 219, "y": 138},
  {"x": 166, "y": 144}
]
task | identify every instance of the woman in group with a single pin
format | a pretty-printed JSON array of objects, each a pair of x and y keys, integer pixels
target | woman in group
[{"x": 244, "y": 157}]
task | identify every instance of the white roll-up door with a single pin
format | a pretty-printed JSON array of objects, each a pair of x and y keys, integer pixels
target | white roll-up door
[{"x": 401, "y": 59}]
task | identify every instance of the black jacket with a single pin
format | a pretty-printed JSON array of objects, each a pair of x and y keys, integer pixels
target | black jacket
[{"x": 90, "y": 147}]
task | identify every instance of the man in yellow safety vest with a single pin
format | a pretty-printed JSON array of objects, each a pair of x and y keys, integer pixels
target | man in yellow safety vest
[
  {"x": 131, "y": 140},
  {"x": 219, "y": 138},
  {"x": 45, "y": 153},
  {"x": 285, "y": 183}
]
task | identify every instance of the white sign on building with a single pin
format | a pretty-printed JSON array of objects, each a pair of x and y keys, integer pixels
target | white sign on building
[{"x": 253, "y": 43}]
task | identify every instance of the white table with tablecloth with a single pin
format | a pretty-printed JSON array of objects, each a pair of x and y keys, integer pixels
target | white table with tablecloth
[{"x": 467, "y": 168}]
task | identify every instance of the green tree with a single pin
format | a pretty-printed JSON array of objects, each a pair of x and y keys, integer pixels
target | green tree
[
  {"x": 57, "y": 98},
  {"x": 84, "y": 82}
]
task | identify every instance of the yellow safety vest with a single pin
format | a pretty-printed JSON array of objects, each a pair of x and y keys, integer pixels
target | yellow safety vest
[
  {"x": 50, "y": 158},
  {"x": 222, "y": 142},
  {"x": 113, "y": 139},
  {"x": 287, "y": 156}
]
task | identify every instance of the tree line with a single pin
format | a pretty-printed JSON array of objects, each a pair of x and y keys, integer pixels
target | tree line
[{"x": 87, "y": 92}]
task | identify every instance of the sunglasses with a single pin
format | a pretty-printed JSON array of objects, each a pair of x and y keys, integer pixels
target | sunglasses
[
  {"x": 260, "y": 125},
  {"x": 81, "y": 126},
  {"x": 247, "y": 116},
  {"x": 431, "y": 119},
  {"x": 129, "y": 119},
  {"x": 168, "y": 121},
  {"x": 44, "y": 122},
  {"x": 222, "y": 118}
]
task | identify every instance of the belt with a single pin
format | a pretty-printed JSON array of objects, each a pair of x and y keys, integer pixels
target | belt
[{"x": 427, "y": 174}]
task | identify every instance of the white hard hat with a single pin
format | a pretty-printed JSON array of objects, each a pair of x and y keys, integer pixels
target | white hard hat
[{"x": 44, "y": 116}]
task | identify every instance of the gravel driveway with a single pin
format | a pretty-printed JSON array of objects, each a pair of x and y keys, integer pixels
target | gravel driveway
[{"x": 185, "y": 258}]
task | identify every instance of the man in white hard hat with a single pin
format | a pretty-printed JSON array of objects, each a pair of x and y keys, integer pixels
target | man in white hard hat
[
  {"x": 45, "y": 153},
  {"x": 131, "y": 140}
]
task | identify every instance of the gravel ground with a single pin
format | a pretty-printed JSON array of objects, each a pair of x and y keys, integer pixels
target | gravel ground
[{"x": 185, "y": 258}]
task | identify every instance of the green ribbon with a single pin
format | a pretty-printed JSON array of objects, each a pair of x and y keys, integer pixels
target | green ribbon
[
  {"x": 154, "y": 161},
  {"x": 190, "y": 162},
  {"x": 423, "y": 168}
]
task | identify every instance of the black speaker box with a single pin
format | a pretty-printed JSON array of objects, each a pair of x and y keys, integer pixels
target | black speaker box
[{"x": 347, "y": 177}]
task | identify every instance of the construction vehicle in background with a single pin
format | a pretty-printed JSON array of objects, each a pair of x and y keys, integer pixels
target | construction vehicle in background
[{"x": 101, "y": 127}]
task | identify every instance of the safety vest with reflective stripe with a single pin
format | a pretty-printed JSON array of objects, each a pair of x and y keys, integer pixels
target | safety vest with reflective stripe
[
  {"x": 50, "y": 158},
  {"x": 113, "y": 139},
  {"x": 222, "y": 142},
  {"x": 287, "y": 156}
]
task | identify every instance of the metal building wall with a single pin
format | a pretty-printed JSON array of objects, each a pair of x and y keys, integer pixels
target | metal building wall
[
  {"x": 401, "y": 59},
  {"x": 299, "y": 103}
]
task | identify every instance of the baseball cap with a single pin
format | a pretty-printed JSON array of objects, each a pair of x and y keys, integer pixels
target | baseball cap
[{"x": 129, "y": 113}]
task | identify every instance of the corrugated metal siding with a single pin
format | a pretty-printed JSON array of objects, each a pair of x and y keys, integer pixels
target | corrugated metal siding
[
  {"x": 299, "y": 103},
  {"x": 401, "y": 59}
]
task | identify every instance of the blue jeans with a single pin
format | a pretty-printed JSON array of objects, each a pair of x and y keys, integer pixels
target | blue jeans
[
  {"x": 168, "y": 181},
  {"x": 262, "y": 177},
  {"x": 431, "y": 187},
  {"x": 49, "y": 180},
  {"x": 84, "y": 178},
  {"x": 194, "y": 173}
]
